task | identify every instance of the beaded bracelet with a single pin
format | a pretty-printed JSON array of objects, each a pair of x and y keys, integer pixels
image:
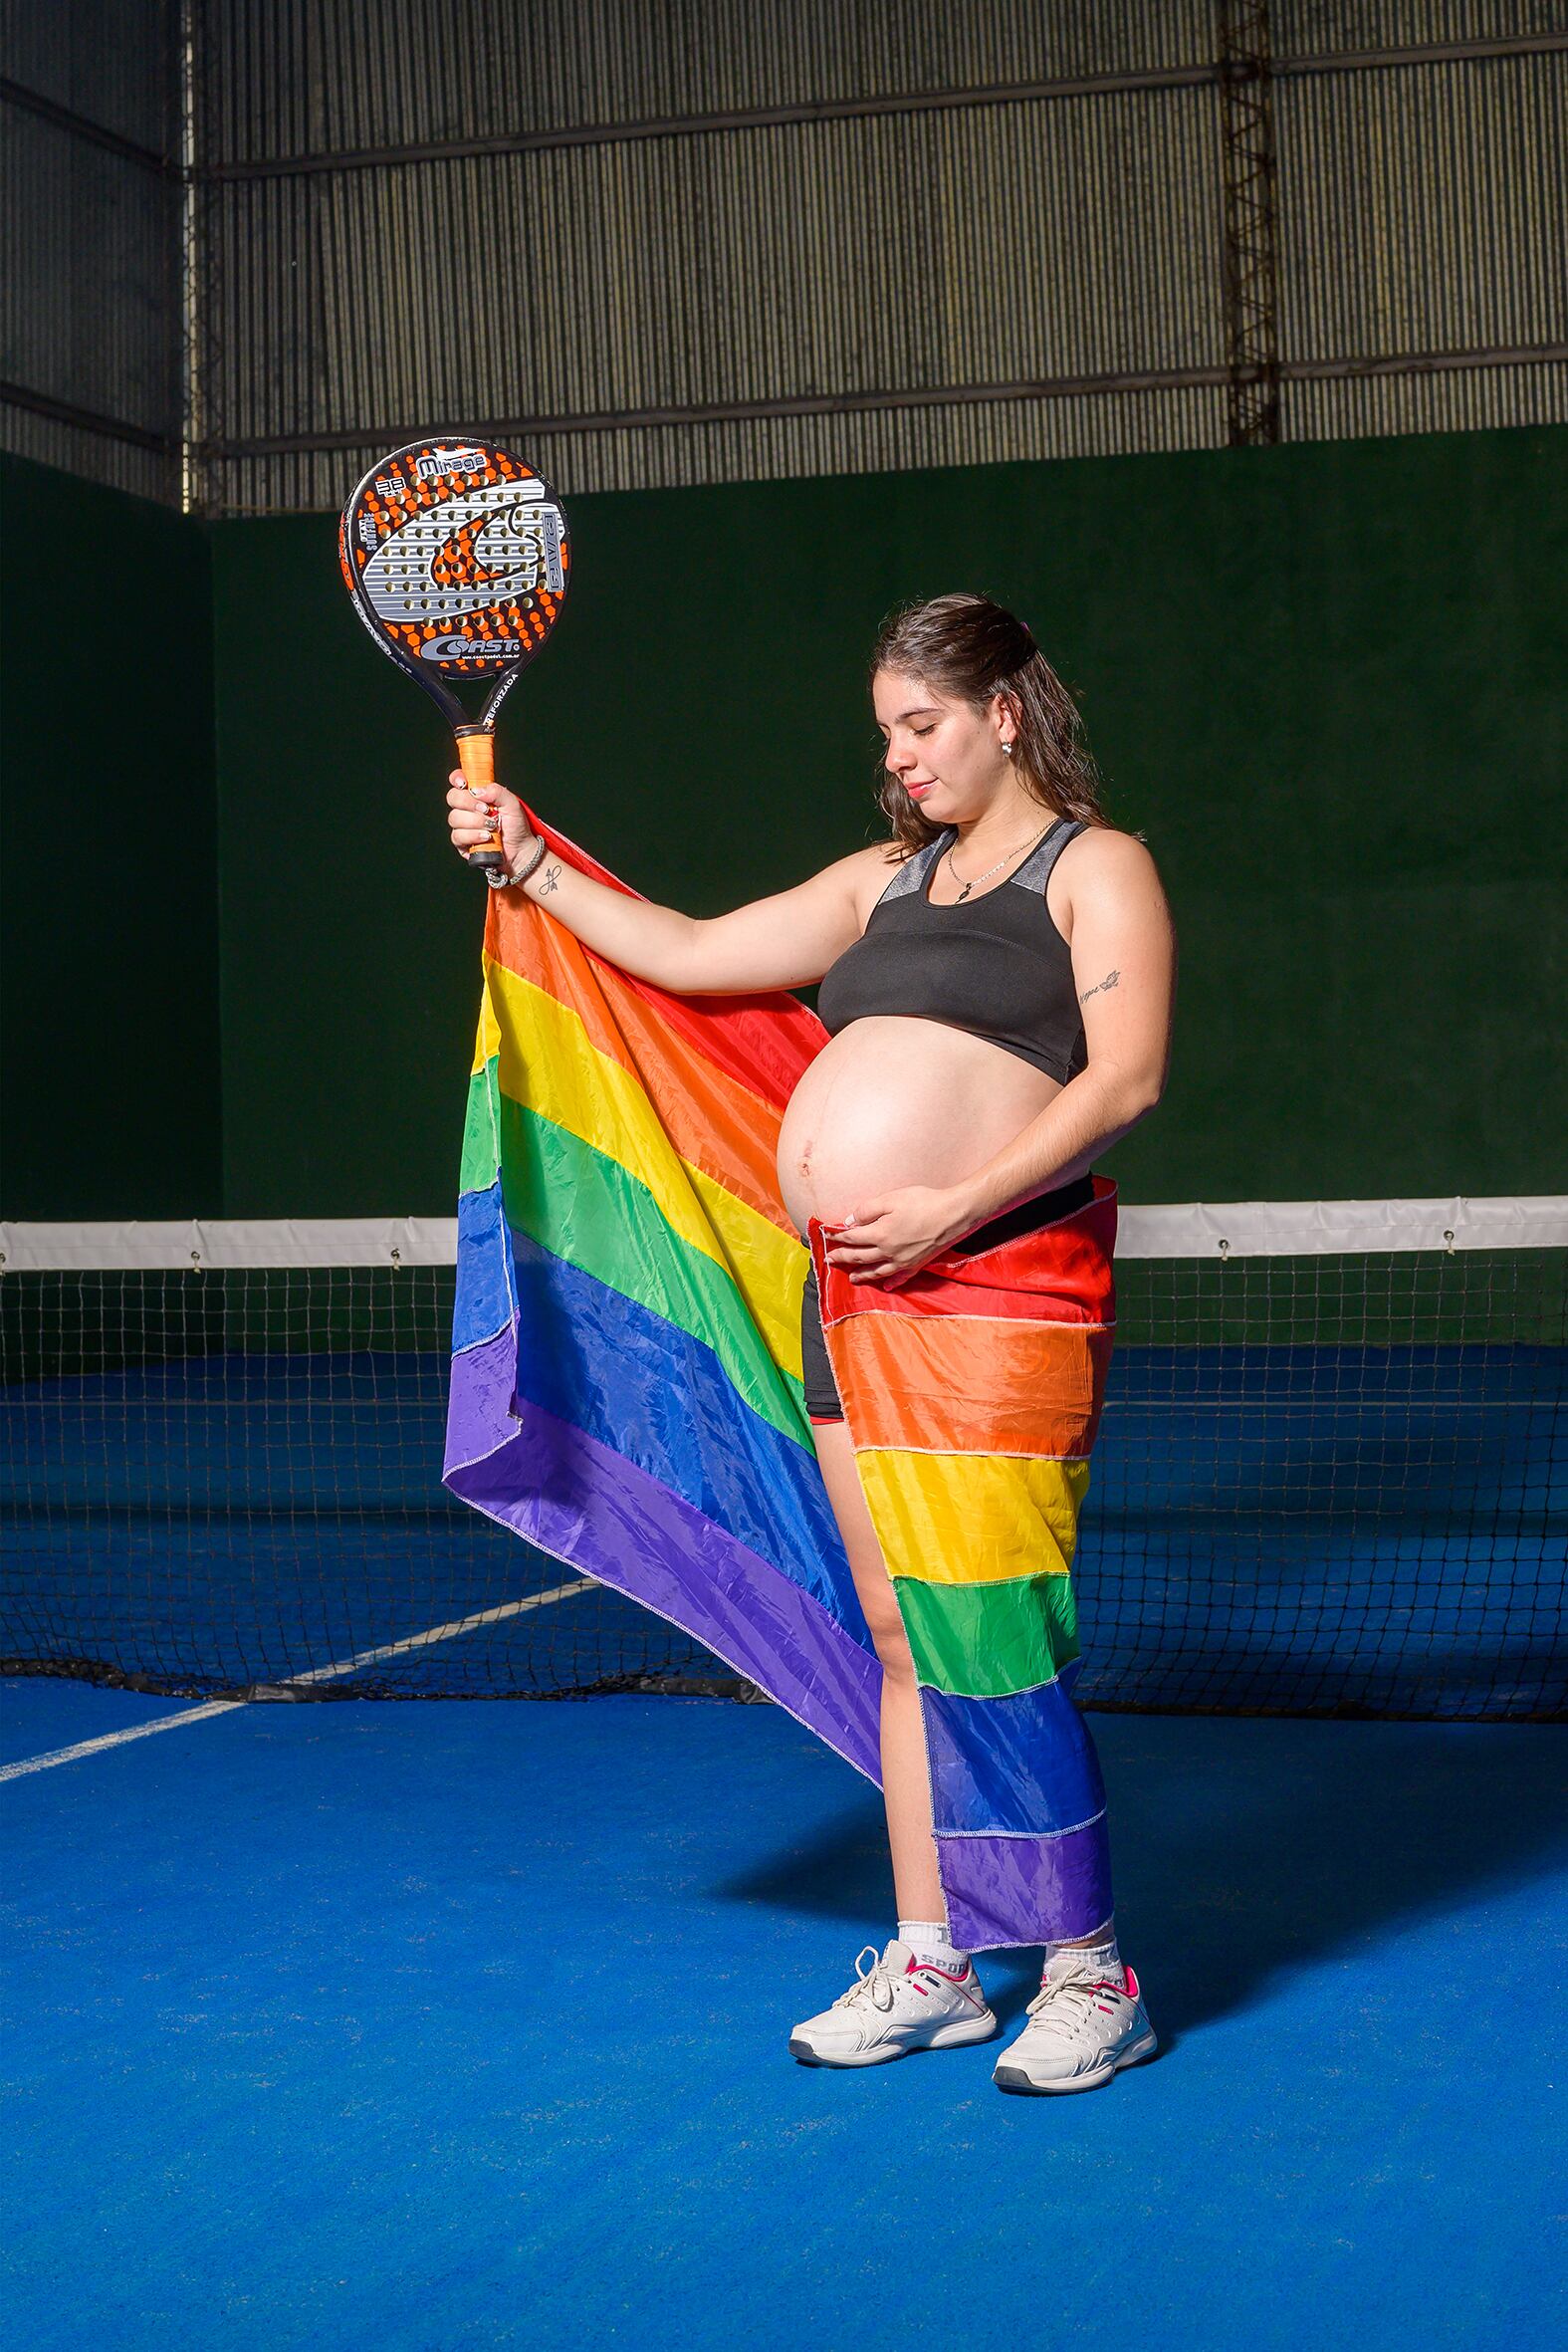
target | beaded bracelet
[{"x": 506, "y": 881}]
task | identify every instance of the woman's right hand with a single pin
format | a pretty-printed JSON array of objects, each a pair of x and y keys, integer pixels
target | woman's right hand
[{"x": 473, "y": 817}]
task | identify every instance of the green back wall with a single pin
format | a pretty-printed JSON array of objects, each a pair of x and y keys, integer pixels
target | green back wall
[
  {"x": 109, "y": 1081},
  {"x": 1328, "y": 683}
]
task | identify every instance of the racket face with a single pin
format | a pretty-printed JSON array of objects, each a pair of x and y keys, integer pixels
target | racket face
[{"x": 457, "y": 559}]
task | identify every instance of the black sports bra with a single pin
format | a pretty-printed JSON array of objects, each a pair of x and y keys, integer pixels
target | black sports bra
[{"x": 995, "y": 964}]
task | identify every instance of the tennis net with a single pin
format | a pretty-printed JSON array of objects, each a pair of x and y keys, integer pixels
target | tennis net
[{"x": 1332, "y": 1477}]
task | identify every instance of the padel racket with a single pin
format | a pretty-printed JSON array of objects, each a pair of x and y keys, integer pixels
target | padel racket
[{"x": 456, "y": 557}]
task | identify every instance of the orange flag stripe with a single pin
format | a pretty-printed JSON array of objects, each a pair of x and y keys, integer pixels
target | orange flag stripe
[
  {"x": 963, "y": 1384},
  {"x": 712, "y": 1120},
  {"x": 765, "y": 1043}
]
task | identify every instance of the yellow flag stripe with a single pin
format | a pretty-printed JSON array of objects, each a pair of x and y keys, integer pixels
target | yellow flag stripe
[{"x": 547, "y": 1063}]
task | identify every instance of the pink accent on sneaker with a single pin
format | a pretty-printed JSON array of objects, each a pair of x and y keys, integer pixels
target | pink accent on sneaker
[{"x": 1132, "y": 1984}]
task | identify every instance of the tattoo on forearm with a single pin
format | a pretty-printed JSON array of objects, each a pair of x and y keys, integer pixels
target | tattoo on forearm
[
  {"x": 550, "y": 878},
  {"x": 1110, "y": 981}
]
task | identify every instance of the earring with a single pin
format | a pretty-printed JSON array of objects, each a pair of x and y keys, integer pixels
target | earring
[{"x": 1007, "y": 751}]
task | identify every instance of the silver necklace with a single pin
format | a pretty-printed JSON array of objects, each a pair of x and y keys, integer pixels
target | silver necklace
[{"x": 991, "y": 869}]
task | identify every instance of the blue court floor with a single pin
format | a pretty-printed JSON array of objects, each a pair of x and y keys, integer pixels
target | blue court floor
[{"x": 450, "y": 2025}]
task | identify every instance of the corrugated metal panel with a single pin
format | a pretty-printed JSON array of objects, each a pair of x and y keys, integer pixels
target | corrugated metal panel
[
  {"x": 89, "y": 243},
  {"x": 950, "y": 275},
  {"x": 732, "y": 301},
  {"x": 297, "y": 76},
  {"x": 111, "y": 61},
  {"x": 891, "y": 257},
  {"x": 882, "y": 441},
  {"x": 1317, "y": 28},
  {"x": 1455, "y": 400},
  {"x": 89, "y": 247},
  {"x": 96, "y": 456},
  {"x": 87, "y": 309},
  {"x": 1422, "y": 210}
]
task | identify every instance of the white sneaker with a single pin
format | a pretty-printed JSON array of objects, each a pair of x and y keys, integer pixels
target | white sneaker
[
  {"x": 899, "y": 2003},
  {"x": 1081, "y": 2028}
]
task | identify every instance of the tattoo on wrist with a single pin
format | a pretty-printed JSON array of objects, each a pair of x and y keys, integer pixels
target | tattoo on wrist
[
  {"x": 552, "y": 875},
  {"x": 1111, "y": 979}
]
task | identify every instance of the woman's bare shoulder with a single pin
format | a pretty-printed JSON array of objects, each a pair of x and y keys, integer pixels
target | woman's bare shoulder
[
  {"x": 863, "y": 874},
  {"x": 1104, "y": 873},
  {"x": 873, "y": 870},
  {"x": 1102, "y": 854}
]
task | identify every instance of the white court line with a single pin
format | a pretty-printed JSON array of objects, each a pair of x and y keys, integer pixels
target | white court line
[
  {"x": 144, "y": 1730},
  {"x": 421, "y": 1641},
  {"x": 391, "y": 1649}
]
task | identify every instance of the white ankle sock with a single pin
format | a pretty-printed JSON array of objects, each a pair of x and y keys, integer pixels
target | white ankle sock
[
  {"x": 928, "y": 1940},
  {"x": 1103, "y": 1958}
]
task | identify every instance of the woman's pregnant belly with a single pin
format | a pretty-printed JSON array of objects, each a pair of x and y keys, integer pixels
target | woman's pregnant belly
[{"x": 893, "y": 1100}]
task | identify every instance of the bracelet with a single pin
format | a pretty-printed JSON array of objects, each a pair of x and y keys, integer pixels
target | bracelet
[{"x": 506, "y": 881}]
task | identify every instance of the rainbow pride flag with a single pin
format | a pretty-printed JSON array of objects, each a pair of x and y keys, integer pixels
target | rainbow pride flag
[{"x": 626, "y": 1395}]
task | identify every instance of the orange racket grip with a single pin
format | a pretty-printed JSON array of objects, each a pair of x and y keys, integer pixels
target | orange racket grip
[{"x": 476, "y": 752}]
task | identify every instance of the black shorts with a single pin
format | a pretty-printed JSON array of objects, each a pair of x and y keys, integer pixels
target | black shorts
[{"x": 821, "y": 1393}]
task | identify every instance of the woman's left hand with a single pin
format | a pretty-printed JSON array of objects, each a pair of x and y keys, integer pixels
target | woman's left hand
[{"x": 891, "y": 1235}]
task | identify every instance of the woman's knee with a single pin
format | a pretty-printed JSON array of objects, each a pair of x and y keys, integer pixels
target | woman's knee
[
  {"x": 888, "y": 1638},
  {"x": 884, "y": 1620}
]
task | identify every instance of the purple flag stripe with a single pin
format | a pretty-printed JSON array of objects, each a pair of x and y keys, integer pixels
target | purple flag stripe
[
  {"x": 1027, "y": 1890},
  {"x": 585, "y": 1504}
]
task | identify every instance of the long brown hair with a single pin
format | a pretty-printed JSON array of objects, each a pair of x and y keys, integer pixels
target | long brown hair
[{"x": 970, "y": 648}]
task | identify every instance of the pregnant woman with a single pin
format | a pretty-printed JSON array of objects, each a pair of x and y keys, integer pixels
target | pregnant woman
[{"x": 997, "y": 982}]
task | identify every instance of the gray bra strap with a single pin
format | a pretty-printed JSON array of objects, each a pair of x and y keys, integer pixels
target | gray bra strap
[
  {"x": 1035, "y": 872},
  {"x": 912, "y": 874}
]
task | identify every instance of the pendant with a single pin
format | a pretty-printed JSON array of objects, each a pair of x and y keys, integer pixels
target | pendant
[{"x": 964, "y": 893}]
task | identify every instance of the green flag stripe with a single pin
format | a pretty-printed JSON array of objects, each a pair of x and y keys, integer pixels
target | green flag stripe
[
  {"x": 587, "y": 1209},
  {"x": 986, "y": 1641}
]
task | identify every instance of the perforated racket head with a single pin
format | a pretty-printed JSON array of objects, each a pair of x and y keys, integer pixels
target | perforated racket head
[{"x": 457, "y": 558}]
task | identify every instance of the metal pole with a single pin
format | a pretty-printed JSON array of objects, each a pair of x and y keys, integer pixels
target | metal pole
[
  {"x": 1252, "y": 290},
  {"x": 192, "y": 305}
]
